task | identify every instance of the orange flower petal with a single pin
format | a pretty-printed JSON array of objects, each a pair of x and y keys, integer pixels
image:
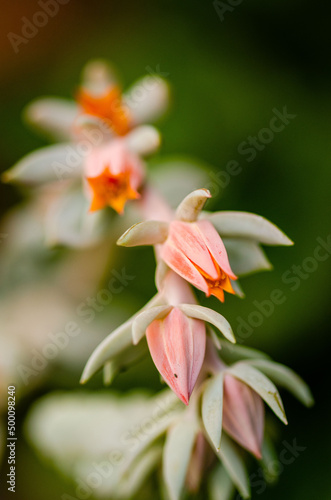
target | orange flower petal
[{"x": 107, "y": 106}]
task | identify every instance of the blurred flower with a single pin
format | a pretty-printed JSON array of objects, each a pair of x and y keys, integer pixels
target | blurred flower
[
  {"x": 113, "y": 175},
  {"x": 97, "y": 168},
  {"x": 100, "y": 105}
]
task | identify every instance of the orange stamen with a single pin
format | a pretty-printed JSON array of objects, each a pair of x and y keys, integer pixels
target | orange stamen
[
  {"x": 111, "y": 190},
  {"x": 216, "y": 286},
  {"x": 107, "y": 106}
]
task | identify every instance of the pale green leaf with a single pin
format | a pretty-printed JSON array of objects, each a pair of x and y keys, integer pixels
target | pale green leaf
[
  {"x": 145, "y": 318},
  {"x": 144, "y": 233},
  {"x": 285, "y": 377},
  {"x": 48, "y": 164},
  {"x": 212, "y": 408},
  {"x": 246, "y": 256},
  {"x": 52, "y": 116},
  {"x": 260, "y": 384},
  {"x": 220, "y": 485},
  {"x": 206, "y": 314},
  {"x": 235, "y": 466},
  {"x": 247, "y": 225},
  {"x": 190, "y": 208}
]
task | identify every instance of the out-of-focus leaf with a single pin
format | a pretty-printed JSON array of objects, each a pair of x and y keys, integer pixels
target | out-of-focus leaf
[
  {"x": 246, "y": 256},
  {"x": 220, "y": 485},
  {"x": 285, "y": 377},
  {"x": 176, "y": 456},
  {"x": 234, "y": 466}
]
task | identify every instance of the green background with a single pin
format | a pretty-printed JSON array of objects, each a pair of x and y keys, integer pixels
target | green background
[{"x": 226, "y": 77}]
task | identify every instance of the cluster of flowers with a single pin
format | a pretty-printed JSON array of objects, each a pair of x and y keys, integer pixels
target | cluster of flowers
[{"x": 222, "y": 386}]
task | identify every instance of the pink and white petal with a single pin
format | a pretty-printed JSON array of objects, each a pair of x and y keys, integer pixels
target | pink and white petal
[
  {"x": 143, "y": 140},
  {"x": 92, "y": 129},
  {"x": 190, "y": 208},
  {"x": 179, "y": 263},
  {"x": 177, "y": 346},
  {"x": 176, "y": 290},
  {"x": 216, "y": 246},
  {"x": 243, "y": 415},
  {"x": 187, "y": 237},
  {"x": 147, "y": 99}
]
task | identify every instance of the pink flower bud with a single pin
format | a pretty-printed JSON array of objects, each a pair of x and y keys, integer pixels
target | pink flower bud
[
  {"x": 177, "y": 346},
  {"x": 243, "y": 415}
]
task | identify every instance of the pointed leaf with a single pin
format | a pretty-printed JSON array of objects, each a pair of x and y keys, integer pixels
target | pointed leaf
[
  {"x": 123, "y": 361},
  {"x": 269, "y": 459},
  {"x": 284, "y": 376},
  {"x": 178, "y": 449},
  {"x": 112, "y": 345},
  {"x": 191, "y": 206},
  {"x": 232, "y": 353},
  {"x": 212, "y": 408},
  {"x": 69, "y": 223},
  {"x": 234, "y": 466},
  {"x": 144, "y": 319},
  {"x": 47, "y": 164},
  {"x": 220, "y": 485},
  {"x": 262, "y": 385},
  {"x": 206, "y": 314},
  {"x": 247, "y": 225},
  {"x": 166, "y": 411},
  {"x": 52, "y": 116},
  {"x": 150, "y": 232},
  {"x": 216, "y": 340},
  {"x": 237, "y": 289},
  {"x": 246, "y": 256}
]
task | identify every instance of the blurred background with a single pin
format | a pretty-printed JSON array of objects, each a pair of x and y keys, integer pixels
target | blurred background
[{"x": 229, "y": 71}]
